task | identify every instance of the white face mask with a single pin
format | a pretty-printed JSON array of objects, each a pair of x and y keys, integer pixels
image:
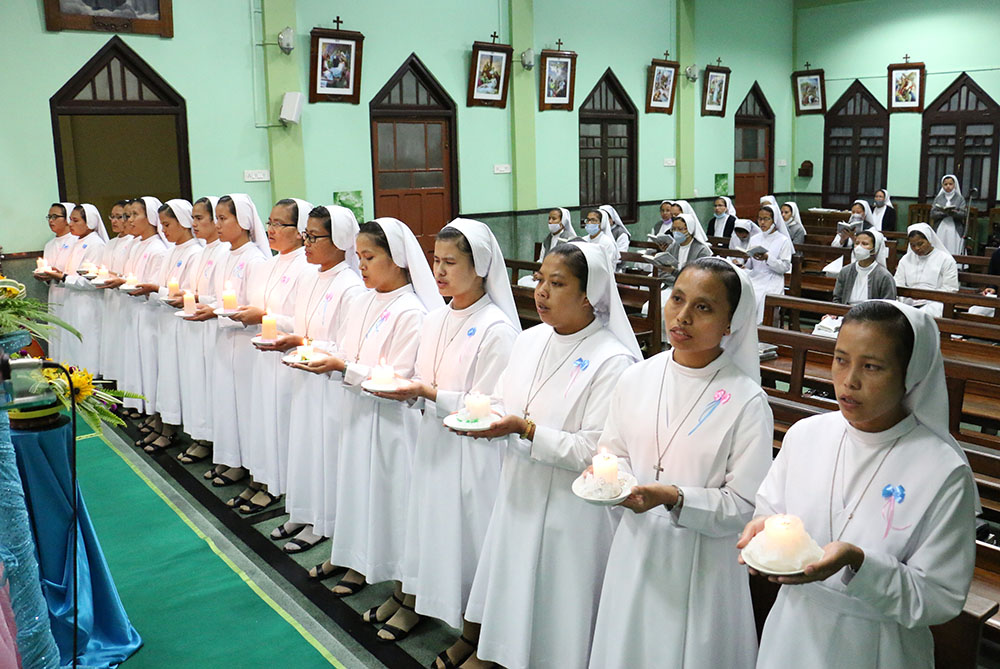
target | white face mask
[
  {"x": 856, "y": 218},
  {"x": 861, "y": 253},
  {"x": 554, "y": 228}
]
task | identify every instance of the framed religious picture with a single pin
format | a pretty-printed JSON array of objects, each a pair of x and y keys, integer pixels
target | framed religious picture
[
  {"x": 906, "y": 87},
  {"x": 151, "y": 17},
  {"x": 809, "y": 89},
  {"x": 661, "y": 86},
  {"x": 557, "y": 81},
  {"x": 489, "y": 75},
  {"x": 335, "y": 65},
  {"x": 715, "y": 91}
]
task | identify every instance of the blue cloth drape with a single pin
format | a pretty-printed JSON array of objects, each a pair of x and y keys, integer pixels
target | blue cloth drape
[{"x": 106, "y": 637}]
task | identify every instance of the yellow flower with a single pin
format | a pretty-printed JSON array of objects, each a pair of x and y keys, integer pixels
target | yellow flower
[{"x": 83, "y": 384}]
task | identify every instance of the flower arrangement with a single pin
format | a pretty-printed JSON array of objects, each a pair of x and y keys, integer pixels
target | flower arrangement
[{"x": 20, "y": 312}]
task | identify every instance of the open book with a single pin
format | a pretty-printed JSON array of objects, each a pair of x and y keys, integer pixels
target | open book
[
  {"x": 755, "y": 251},
  {"x": 664, "y": 239}
]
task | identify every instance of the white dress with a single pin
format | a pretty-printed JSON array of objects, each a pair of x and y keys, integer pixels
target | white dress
[
  {"x": 455, "y": 479},
  {"x": 161, "y": 373},
  {"x": 232, "y": 353},
  {"x": 668, "y": 571},
  {"x": 139, "y": 336},
  {"x": 310, "y": 470},
  {"x": 83, "y": 306},
  {"x": 196, "y": 346},
  {"x": 56, "y": 254},
  {"x": 373, "y": 474},
  {"x": 935, "y": 271},
  {"x": 270, "y": 403},
  {"x": 111, "y": 327},
  {"x": 607, "y": 243},
  {"x": 914, "y": 521},
  {"x": 537, "y": 585},
  {"x": 768, "y": 276}
]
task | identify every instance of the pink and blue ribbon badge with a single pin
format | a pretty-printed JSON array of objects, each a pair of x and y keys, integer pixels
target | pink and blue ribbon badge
[
  {"x": 471, "y": 331},
  {"x": 383, "y": 317},
  {"x": 721, "y": 397},
  {"x": 579, "y": 366},
  {"x": 893, "y": 495}
]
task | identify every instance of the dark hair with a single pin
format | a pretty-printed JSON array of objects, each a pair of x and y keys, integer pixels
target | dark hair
[
  {"x": 917, "y": 233},
  {"x": 575, "y": 260},
  {"x": 868, "y": 233},
  {"x": 61, "y": 207},
  {"x": 892, "y": 322},
  {"x": 321, "y": 214},
  {"x": 594, "y": 211},
  {"x": 204, "y": 201},
  {"x": 450, "y": 234},
  {"x": 165, "y": 209},
  {"x": 375, "y": 231},
  {"x": 79, "y": 208},
  {"x": 767, "y": 208},
  {"x": 225, "y": 199},
  {"x": 725, "y": 273},
  {"x": 292, "y": 204},
  {"x": 120, "y": 203},
  {"x": 717, "y": 199},
  {"x": 880, "y": 190}
]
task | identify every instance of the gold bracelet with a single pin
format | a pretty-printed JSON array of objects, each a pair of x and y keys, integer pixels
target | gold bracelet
[{"x": 529, "y": 428}]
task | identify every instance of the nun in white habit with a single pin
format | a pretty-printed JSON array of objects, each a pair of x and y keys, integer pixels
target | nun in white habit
[
  {"x": 464, "y": 347},
  {"x": 767, "y": 270},
  {"x": 84, "y": 304},
  {"x": 111, "y": 327},
  {"x": 948, "y": 213},
  {"x": 884, "y": 487},
  {"x": 618, "y": 230},
  {"x": 308, "y": 475},
  {"x": 738, "y": 243},
  {"x": 694, "y": 427},
  {"x": 56, "y": 254},
  {"x": 373, "y": 475},
  {"x": 662, "y": 226},
  {"x": 232, "y": 353},
  {"x": 598, "y": 225},
  {"x": 796, "y": 230},
  {"x": 561, "y": 230},
  {"x": 537, "y": 585},
  {"x": 927, "y": 265}
]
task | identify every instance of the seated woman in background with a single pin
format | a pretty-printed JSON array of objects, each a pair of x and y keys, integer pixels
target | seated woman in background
[
  {"x": 861, "y": 219},
  {"x": 560, "y": 230},
  {"x": 620, "y": 233},
  {"x": 866, "y": 278},
  {"x": 598, "y": 225},
  {"x": 948, "y": 215},
  {"x": 722, "y": 223},
  {"x": 793, "y": 219},
  {"x": 767, "y": 270},
  {"x": 743, "y": 230},
  {"x": 926, "y": 265},
  {"x": 884, "y": 214},
  {"x": 690, "y": 243},
  {"x": 662, "y": 226}
]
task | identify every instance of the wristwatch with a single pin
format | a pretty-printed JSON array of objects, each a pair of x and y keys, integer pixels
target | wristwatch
[{"x": 680, "y": 500}]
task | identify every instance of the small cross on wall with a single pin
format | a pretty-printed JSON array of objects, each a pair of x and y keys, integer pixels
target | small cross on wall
[
  {"x": 808, "y": 64},
  {"x": 495, "y": 37},
  {"x": 718, "y": 61},
  {"x": 338, "y": 21},
  {"x": 559, "y": 44},
  {"x": 666, "y": 54},
  {"x": 906, "y": 58}
]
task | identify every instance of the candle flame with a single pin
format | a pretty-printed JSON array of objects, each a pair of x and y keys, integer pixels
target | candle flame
[
  {"x": 229, "y": 285},
  {"x": 306, "y": 341},
  {"x": 382, "y": 361}
]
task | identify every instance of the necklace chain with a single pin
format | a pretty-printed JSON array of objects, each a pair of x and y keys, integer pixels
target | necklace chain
[
  {"x": 364, "y": 319},
  {"x": 836, "y": 464},
  {"x": 437, "y": 347},
  {"x": 313, "y": 309},
  {"x": 538, "y": 368},
  {"x": 660, "y": 454}
]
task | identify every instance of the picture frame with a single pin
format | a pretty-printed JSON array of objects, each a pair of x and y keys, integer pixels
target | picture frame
[
  {"x": 335, "y": 58},
  {"x": 809, "y": 91},
  {"x": 715, "y": 90},
  {"x": 489, "y": 75},
  {"x": 661, "y": 86},
  {"x": 82, "y": 15},
  {"x": 905, "y": 87},
  {"x": 557, "y": 80}
]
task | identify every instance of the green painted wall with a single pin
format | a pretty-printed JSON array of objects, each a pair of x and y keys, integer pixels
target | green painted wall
[
  {"x": 207, "y": 62},
  {"x": 857, "y": 40}
]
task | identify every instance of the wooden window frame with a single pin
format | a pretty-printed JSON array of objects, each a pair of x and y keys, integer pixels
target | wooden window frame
[
  {"x": 757, "y": 121},
  {"x": 832, "y": 119}
]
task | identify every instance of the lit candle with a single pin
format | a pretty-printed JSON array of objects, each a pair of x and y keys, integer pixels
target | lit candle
[
  {"x": 188, "y": 302},
  {"x": 305, "y": 351},
  {"x": 477, "y": 405},
  {"x": 40, "y": 264},
  {"x": 103, "y": 273},
  {"x": 785, "y": 533},
  {"x": 229, "y": 297},
  {"x": 173, "y": 286},
  {"x": 269, "y": 327},
  {"x": 606, "y": 467},
  {"x": 383, "y": 374},
  {"x": 131, "y": 281}
]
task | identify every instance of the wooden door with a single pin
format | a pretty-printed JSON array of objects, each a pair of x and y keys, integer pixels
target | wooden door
[
  {"x": 413, "y": 174},
  {"x": 751, "y": 174},
  {"x": 608, "y": 146}
]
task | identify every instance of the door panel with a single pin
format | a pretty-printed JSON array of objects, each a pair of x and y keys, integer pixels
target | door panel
[{"x": 750, "y": 168}]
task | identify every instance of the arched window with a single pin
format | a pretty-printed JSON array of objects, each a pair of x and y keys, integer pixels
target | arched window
[
  {"x": 753, "y": 165},
  {"x": 608, "y": 145},
  {"x": 856, "y": 147},
  {"x": 413, "y": 151},
  {"x": 960, "y": 137}
]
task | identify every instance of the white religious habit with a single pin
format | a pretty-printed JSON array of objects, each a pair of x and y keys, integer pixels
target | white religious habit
[
  {"x": 619, "y": 232},
  {"x": 935, "y": 271},
  {"x": 56, "y": 254},
  {"x": 84, "y": 304},
  {"x": 906, "y": 497},
  {"x": 309, "y": 475},
  {"x": 605, "y": 240},
  {"x": 950, "y": 206},
  {"x": 662, "y": 227},
  {"x": 455, "y": 479},
  {"x": 373, "y": 474},
  {"x": 709, "y": 431},
  {"x": 111, "y": 328},
  {"x": 537, "y": 585},
  {"x": 768, "y": 276}
]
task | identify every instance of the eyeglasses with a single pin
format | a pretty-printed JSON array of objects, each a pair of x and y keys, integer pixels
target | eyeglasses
[
  {"x": 311, "y": 239},
  {"x": 275, "y": 224},
  {"x": 52, "y": 217}
]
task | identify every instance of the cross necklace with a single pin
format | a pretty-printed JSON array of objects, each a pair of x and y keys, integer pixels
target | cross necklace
[
  {"x": 362, "y": 331},
  {"x": 836, "y": 462},
  {"x": 660, "y": 453},
  {"x": 437, "y": 347},
  {"x": 532, "y": 391}
]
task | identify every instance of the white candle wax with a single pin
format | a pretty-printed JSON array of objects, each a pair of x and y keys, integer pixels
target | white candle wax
[
  {"x": 229, "y": 298},
  {"x": 40, "y": 264},
  {"x": 131, "y": 281},
  {"x": 188, "y": 302},
  {"x": 173, "y": 286},
  {"x": 606, "y": 466},
  {"x": 383, "y": 374},
  {"x": 269, "y": 327},
  {"x": 784, "y": 532},
  {"x": 305, "y": 351},
  {"x": 103, "y": 273},
  {"x": 477, "y": 405}
]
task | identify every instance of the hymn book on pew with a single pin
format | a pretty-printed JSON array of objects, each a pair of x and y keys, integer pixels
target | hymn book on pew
[
  {"x": 663, "y": 240},
  {"x": 755, "y": 251}
]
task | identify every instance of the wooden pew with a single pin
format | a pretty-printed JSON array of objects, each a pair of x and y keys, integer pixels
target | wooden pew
[{"x": 635, "y": 291}]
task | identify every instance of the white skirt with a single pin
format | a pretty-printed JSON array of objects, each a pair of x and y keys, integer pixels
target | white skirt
[
  {"x": 267, "y": 450},
  {"x": 232, "y": 389},
  {"x": 196, "y": 343},
  {"x": 168, "y": 374}
]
